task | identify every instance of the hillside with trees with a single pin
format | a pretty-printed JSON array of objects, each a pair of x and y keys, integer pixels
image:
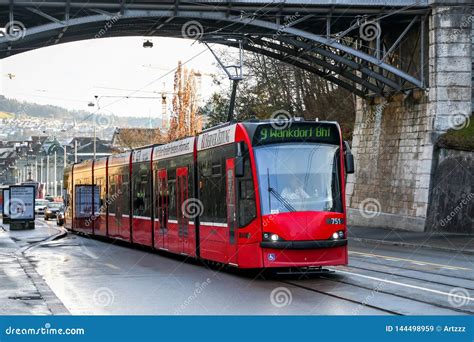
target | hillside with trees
[{"x": 29, "y": 109}]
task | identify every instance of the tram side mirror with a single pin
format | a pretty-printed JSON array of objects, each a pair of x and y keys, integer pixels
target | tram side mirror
[
  {"x": 239, "y": 166},
  {"x": 349, "y": 163},
  {"x": 239, "y": 160},
  {"x": 348, "y": 159}
]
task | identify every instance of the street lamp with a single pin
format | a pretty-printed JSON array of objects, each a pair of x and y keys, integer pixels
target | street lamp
[{"x": 95, "y": 119}]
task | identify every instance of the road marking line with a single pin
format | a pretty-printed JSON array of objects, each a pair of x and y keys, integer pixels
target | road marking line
[
  {"x": 112, "y": 266},
  {"x": 412, "y": 261},
  {"x": 406, "y": 285}
]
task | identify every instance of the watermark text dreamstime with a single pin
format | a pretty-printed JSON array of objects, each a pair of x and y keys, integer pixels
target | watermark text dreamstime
[
  {"x": 200, "y": 287},
  {"x": 108, "y": 25},
  {"x": 103, "y": 207},
  {"x": 45, "y": 330},
  {"x": 462, "y": 204}
]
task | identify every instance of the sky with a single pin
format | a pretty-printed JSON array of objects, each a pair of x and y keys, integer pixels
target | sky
[{"x": 70, "y": 75}]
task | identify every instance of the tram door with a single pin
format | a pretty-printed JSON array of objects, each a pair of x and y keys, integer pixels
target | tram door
[
  {"x": 231, "y": 211},
  {"x": 183, "y": 209},
  {"x": 163, "y": 205}
]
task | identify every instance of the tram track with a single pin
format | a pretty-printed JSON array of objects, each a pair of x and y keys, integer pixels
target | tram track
[
  {"x": 411, "y": 269},
  {"x": 411, "y": 277},
  {"x": 344, "y": 298},
  {"x": 371, "y": 256},
  {"x": 398, "y": 295},
  {"x": 363, "y": 303},
  {"x": 407, "y": 268}
]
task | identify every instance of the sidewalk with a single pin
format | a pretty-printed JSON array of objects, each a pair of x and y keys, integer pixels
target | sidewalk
[
  {"x": 440, "y": 241},
  {"x": 22, "y": 289}
]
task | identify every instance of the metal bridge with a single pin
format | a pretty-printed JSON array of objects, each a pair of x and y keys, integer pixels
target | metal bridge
[{"x": 369, "y": 47}]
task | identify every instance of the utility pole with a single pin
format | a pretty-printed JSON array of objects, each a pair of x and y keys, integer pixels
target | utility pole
[
  {"x": 95, "y": 119},
  {"x": 164, "y": 114},
  {"x": 55, "y": 175},
  {"x": 47, "y": 174},
  {"x": 41, "y": 170},
  {"x": 65, "y": 156},
  {"x": 75, "y": 151}
]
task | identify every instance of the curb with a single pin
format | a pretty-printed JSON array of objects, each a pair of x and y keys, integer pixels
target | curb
[
  {"x": 52, "y": 301},
  {"x": 407, "y": 244},
  {"x": 61, "y": 233}
]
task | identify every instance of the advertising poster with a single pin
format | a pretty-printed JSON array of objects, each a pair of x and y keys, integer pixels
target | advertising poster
[
  {"x": 83, "y": 200},
  {"x": 22, "y": 203}
]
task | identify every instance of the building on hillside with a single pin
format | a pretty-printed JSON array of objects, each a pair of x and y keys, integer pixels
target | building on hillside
[
  {"x": 8, "y": 157},
  {"x": 82, "y": 148},
  {"x": 128, "y": 138},
  {"x": 86, "y": 151}
]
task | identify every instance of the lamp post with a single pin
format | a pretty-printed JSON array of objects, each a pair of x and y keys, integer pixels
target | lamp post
[
  {"x": 55, "y": 175},
  {"x": 65, "y": 155},
  {"x": 47, "y": 174},
  {"x": 41, "y": 170},
  {"x": 94, "y": 120}
]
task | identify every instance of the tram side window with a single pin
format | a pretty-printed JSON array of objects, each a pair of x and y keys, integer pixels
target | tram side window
[
  {"x": 141, "y": 191},
  {"x": 212, "y": 186},
  {"x": 246, "y": 205},
  {"x": 100, "y": 182},
  {"x": 336, "y": 185},
  {"x": 172, "y": 210},
  {"x": 125, "y": 193},
  {"x": 112, "y": 190}
]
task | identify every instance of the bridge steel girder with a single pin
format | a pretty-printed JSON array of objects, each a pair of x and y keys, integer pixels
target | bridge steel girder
[
  {"x": 305, "y": 66},
  {"x": 287, "y": 55},
  {"x": 307, "y": 43}
]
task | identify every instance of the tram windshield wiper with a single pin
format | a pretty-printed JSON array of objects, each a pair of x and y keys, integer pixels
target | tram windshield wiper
[
  {"x": 281, "y": 199},
  {"x": 277, "y": 196}
]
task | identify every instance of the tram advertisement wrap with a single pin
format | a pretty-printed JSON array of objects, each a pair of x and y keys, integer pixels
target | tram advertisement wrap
[{"x": 22, "y": 203}]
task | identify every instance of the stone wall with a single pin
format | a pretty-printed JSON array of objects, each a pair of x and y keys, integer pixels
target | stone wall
[
  {"x": 393, "y": 149},
  {"x": 394, "y": 139},
  {"x": 451, "y": 206}
]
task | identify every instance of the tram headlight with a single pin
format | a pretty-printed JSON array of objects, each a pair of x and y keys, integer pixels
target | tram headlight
[
  {"x": 338, "y": 235},
  {"x": 335, "y": 235},
  {"x": 271, "y": 237}
]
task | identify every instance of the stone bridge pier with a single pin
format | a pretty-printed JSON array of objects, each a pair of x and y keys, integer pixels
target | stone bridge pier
[{"x": 395, "y": 139}]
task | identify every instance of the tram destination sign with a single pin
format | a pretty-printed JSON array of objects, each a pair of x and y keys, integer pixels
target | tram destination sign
[{"x": 297, "y": 132}]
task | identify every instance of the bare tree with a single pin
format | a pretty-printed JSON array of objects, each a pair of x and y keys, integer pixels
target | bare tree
[
  {"x": 186, "y": 120},
  {"x": 271, "y": 85}
]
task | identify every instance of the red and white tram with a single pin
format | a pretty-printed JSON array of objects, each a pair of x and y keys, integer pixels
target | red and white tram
[{"x": 263, "y": 194}]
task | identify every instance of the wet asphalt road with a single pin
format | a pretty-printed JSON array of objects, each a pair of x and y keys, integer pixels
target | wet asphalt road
[{"x": 94, "y": 277}]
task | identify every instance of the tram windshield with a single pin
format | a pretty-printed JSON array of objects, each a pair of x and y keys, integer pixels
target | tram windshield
[{"x": 298, "y": 177}]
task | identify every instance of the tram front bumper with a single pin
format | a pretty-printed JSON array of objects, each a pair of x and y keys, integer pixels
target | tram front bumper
[
  {"x": 311, "y": 244},
  {"x": 304, "y": 253}
]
